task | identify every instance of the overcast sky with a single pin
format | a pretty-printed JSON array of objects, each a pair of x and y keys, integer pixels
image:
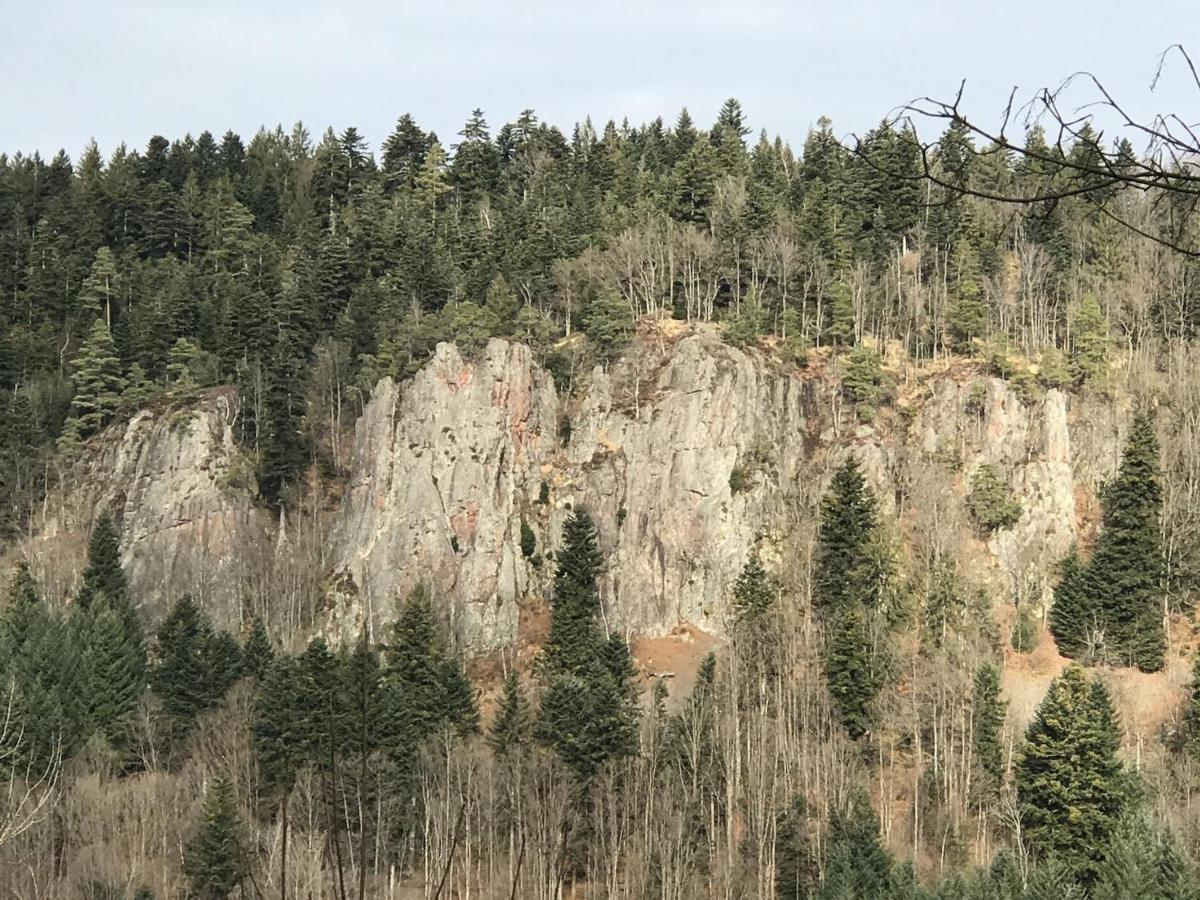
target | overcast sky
[{"x": 123, "y": 70}]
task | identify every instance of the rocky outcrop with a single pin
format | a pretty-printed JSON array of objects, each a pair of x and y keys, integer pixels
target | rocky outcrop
[
  {"x": 688, "y": 455},
  {"x": 179, "y": 488},
  {"x": 446, "y": 467}
]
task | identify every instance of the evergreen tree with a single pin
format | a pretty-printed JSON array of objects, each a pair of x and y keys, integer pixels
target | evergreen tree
[
  {"x": 843, "y": 576},
  {"x": 213, "y": 862},
  {"x": 510, "y": 728},
  {"x": 588, "y": 712},
  {"x": 1115, "y": 602},
  {"x": 257, "y": 652},
  {"x": 987, "y": 723},
  {"x": 851, "y": 670},
  {"x": 1069, "y": 781},
  {"x": 99, "y": 385},
  {"x": 857, "y": 865},
  {"x": 795, "y": 868},
  {"x": 426, "y": 688},
  {"x": 196, "y": 666},
  {"x": 1089, "y": 347},
  {"x": 1073, "y": 617},
  {"x": 1142, "y": 862},
  {"x": 754, "y": 591},
  {"x": 104, "y": 576}
]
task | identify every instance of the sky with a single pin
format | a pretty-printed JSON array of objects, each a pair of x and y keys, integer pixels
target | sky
[{"x": 124, "y": 70}]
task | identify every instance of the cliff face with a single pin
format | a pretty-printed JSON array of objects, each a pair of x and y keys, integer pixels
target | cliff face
[
  {"x": 172, "y": 481},
  {"x": 688, "y": 453}
]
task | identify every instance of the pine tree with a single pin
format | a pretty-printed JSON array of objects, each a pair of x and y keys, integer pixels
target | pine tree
[
  {"x": 851, "y": 670},
  {"x": 843, "y": 576},
  {"x": 1069, "y": 781},
  {"x": 510, "y": 728},
  {"x": 588, "y": 712},
  {"x": 1089, "y": 349},
  {"x": 857, "y": 865},
  {"x": 1073, "y": 617},
  {"x": 213, "y": 862},
  {"x": 257, "y": 652},
  {"x": 795, "y": 868},
  {"x": 987, "y": 723},
  {"x": 98, "y": 382},
  {"x": 104, "y": 575}
]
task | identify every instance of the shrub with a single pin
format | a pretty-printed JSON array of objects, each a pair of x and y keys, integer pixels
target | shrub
[
  {"x": 976, "y": 401},
  {"x": 739, "y": 479},
  {"x": 991, "y": 500},
  {"x": 1024, "y": 631},
  {"x": 528, "y": 540}
]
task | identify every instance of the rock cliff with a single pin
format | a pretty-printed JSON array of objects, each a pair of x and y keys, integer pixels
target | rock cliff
[
  {"x": 688, "y": 452},
  {"x": 177, "y": 484}
]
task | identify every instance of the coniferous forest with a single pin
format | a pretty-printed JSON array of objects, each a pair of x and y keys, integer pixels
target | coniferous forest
[{"x": 174, "y": 756}]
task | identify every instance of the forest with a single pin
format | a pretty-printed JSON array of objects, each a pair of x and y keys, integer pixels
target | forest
[{"x": 178, "y": 757}]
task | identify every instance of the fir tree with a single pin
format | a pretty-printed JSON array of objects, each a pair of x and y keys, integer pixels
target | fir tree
[
  {"x": 98, "y": 382},
  {"x": 857, "y": 865},
  {"x": 510, "y": 728},
  {"x": 104, "y": 575},
  {"x": 588, "y": 710},
  {"x": 426, "y": 688},
  {"x": 1142, "y": 862},
  {"x": 213, "y": 862},
  {"x": 851, "y": 670},
  {"x": 1073, "y": 617},
  {"x": 257, "y": 652},
  {"x": 1126, "y": 567},
  {"x": 1089, "y": 349},
  {"x": 987, "y": 722},
  {"x": 843, "y": 576},
  {"x": 277, "y": 728},
  {"x": 754, "y": 591},
  {"x": 795, "y": 867},
  {"x": 1069, "y": 781}
]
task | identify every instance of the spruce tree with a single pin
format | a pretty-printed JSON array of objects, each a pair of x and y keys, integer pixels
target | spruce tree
[
  {"x": 1070, "y": 786},
  {"x": 510, "y": 728},
  {"x": 795, "y": 866},
  {"x": 257, "y": 652},
  {"x": 987, "y": 723},
  {"x": 588, "y": 709},
  {"x": 104, "y": 575},
  {"x": 213, "y": 862},
  {"x": 857, "y": 865},
  {"x": 1126, "y": 567},
  {"x": 851, "y": 670},
  {"x": 98, "y": 382},
  {"x": 843, "y": 576}
]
